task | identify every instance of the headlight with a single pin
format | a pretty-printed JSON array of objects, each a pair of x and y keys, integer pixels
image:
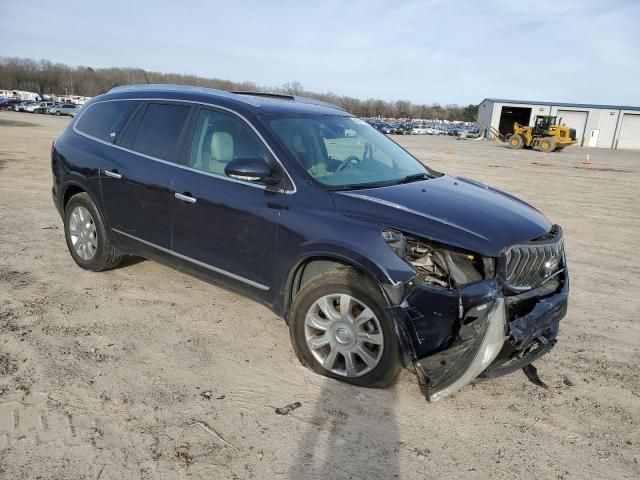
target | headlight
[{"x": 439, "y": 265}]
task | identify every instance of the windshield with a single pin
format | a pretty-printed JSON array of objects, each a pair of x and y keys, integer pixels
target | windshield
[{"x": 345, "y": 152}]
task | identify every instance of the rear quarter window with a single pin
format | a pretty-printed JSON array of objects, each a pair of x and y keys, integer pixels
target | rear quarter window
[{"x": 100, "y": 120}]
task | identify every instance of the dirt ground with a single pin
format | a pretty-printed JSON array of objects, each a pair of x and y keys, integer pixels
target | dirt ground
[{"x": 143, "y": 372}]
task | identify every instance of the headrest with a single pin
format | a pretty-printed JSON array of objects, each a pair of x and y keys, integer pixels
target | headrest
[{"x": 222, "y": 147}]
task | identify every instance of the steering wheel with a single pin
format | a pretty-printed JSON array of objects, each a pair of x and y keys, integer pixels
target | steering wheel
[{"x": 347, "y": 162}]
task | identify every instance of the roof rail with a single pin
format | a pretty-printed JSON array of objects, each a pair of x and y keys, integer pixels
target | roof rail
[
  {"x": 275, "y": 96},
  {"x": 266, "y": 94},
  {"x": 165, "y": 86}
]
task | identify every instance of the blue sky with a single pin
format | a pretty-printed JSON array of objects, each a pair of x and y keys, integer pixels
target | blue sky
[{"x": 424, "y": 51}]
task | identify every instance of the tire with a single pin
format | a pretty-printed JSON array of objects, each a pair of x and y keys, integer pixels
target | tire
[
  {"x": 548, "y": 144},
  {"x": 347, "y": 282},
  {"x": 58, "y": 113},
  {"x": 102, "y": 256},
  {"x": 516, "y": 142}
]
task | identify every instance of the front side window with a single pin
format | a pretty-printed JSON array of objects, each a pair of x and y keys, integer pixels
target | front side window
[
  {"x": 219, "y": 138},
  {"x": 344, "y": 152},
  {"x": 160, "y": 129},
  {"x": 100, "y": 120}
]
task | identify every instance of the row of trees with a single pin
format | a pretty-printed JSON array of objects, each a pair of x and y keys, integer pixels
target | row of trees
[{"x": 45, "y": 77}]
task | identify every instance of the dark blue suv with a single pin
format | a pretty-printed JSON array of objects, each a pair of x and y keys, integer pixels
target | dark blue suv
[{"x": 374, "y": 260}]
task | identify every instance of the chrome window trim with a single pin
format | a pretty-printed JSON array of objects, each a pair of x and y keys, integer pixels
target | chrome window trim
[
  {"x": 257, "y": 285},
  {"x": 185, "y": 167}
]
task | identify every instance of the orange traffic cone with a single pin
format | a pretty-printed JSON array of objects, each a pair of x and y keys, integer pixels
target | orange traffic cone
[
  {"x": 450, "y": 149},
  {"x": 587, "y": 160}
]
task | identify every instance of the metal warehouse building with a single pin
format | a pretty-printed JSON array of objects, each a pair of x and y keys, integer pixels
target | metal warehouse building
[{"x": 602, "y": 126}]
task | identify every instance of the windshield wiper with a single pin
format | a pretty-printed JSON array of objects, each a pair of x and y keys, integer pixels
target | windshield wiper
[{"x": 414, "y": 178}]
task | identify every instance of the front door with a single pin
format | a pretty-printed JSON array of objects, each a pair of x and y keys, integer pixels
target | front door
[{"x": 225, "y": 227}]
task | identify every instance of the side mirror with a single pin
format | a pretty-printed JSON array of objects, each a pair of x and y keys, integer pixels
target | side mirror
[{"x": 252, "y": 169}]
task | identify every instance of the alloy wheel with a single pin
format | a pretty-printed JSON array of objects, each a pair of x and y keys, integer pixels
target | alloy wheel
[
  {"x": 82, "y": 232},
  {"x": 344, "y": 335}
]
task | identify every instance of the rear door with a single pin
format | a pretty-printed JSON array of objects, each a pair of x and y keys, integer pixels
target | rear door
[
  {"x": 136, "y": 188},
  {"x": 225, "y": 228}
]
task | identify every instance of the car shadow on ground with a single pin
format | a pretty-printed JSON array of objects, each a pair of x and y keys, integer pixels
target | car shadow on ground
[
  {"x": 130, "y": 260},
  {"x": 341, "y": 441}
]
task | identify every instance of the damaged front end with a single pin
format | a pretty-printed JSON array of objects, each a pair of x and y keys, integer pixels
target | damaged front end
[{"x": 465, "y": 318}]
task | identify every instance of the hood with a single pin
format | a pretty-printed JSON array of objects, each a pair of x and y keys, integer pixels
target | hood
[{"x": 451, "y": 210}]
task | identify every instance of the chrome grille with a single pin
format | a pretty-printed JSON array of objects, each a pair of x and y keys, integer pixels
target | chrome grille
[{"x": 530, "y": 264}]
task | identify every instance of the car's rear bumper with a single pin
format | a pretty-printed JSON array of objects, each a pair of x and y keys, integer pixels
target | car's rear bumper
[{"x": 494, "y": 334}]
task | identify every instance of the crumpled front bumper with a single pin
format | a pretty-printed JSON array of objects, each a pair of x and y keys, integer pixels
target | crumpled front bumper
[
  {"x": 455, "y": 337},
  {"x": 482, "y": 340}
]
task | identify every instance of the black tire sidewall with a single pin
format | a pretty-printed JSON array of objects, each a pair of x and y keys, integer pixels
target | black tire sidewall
[
  {"x": 389, "y": 366},
  {"x": 550, "y": 145},
  {"x": 519, "y": 140},
  {"x": 101, "y": 258}
]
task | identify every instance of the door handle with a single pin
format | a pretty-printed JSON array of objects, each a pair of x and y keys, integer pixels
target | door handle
[
  {"x": 112, "y": 174},
  {"x": 185, "y": 198}
]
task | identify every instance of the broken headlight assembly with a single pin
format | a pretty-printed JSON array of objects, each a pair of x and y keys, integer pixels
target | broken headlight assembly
[{"x": 437, "y": 264}]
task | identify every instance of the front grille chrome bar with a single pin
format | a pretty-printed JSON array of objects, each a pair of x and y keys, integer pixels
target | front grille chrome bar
[{"x": 530, "y": 264}]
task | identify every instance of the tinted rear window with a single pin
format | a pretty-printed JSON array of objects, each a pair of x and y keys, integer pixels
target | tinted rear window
[
  {"x": 102, "y": 119},
  {"x": 160, "y": 129}
]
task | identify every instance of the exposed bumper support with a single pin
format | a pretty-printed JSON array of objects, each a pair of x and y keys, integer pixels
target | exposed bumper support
[{"x": 482, "y": 339}]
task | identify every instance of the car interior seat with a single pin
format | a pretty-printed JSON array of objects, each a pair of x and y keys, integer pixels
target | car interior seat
[{"x": 221, "y": 151}]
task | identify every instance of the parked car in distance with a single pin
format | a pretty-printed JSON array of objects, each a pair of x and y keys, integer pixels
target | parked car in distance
[
  {"x": 38, "y": 107},
  {"x": 9, "y": 103},
  {"x": 405, "y": 129},
  {"x": 374, "y": 260},
  {"x": 419, "y": 130},
  {"x": 63, "y": 109},
  {"x": 19, "y": 107}
]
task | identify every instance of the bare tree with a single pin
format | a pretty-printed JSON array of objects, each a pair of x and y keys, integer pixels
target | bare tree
[{"x": 44, "y": 77}]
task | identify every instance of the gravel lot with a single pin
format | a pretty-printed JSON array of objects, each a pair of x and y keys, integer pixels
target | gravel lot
[{"x": 143, "y": 372}]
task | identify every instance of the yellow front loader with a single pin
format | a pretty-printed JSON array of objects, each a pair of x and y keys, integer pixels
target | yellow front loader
[{"x": 546, "y": 135}]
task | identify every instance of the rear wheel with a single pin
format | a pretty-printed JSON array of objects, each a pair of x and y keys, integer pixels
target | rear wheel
[
  {"x": 87, "y": 239},
  {"x": 548, "y": 144},
  {"x": 340, "y": 329},
  {"x": 516, "y": 141}
]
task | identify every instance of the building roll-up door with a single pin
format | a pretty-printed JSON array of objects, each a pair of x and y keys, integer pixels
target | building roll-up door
[
  {"x": 630, "y": 132},
  {"x": 574, "y": 119}
]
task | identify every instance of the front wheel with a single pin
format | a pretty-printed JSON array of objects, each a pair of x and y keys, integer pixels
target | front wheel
[
  {"x": 548, "y": 144},
  {"x": 87, "y": 239},
  {"x": 516, "y": 141},
  {"x": 340, "y": 329}
]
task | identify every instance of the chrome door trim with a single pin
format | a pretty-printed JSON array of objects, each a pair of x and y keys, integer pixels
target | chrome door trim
[
  {"x": 185, "y": 167},
  {"x": 251, "y": 283}
]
